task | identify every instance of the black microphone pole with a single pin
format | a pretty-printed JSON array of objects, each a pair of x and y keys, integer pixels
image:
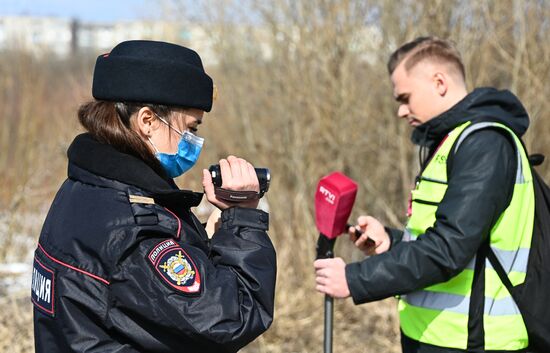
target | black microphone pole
[{"x": 325, "y": 250}]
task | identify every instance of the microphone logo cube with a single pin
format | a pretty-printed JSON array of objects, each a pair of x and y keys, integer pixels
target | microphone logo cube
[{"x": 334, "y": 200}]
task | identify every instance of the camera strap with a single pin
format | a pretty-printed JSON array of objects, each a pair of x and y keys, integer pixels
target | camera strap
[{"x": 236, "y": 195}]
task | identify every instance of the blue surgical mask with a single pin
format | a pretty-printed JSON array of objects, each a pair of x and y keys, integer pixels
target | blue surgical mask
[{"x": 189, "y": 149}]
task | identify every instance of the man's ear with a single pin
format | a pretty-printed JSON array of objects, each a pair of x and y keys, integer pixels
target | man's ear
[
  {"x": 441, "y": 83},
  {"x": 146, "y": 122}
]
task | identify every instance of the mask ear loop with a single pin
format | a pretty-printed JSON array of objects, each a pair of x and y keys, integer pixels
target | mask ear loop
[
  {"x": 152, "y": 144},
  {"x": 170, "y": 126}
]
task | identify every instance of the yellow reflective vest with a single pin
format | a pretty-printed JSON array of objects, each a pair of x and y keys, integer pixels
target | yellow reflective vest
[{"x": 438, "y": 314}]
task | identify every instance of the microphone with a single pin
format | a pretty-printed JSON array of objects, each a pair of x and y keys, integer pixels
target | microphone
[
  {"x": 334, "y": 200},
  {"x": 333, "y": 203}
]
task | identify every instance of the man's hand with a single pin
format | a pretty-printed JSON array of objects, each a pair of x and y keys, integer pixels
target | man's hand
[
  {"x": 330, "y": 277},
  {"x": 371, "y": 228}
]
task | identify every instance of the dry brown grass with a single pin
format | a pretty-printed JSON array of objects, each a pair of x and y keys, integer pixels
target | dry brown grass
[
  {"x": 321, "y": 103},
  {"x": 16, "y": 334}
]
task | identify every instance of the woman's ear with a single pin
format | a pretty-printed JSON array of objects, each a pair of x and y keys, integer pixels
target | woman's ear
[{"x": 146, "y": 122}]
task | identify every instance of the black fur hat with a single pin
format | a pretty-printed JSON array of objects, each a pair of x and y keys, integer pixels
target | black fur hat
[{"x": 153, "y": 72}]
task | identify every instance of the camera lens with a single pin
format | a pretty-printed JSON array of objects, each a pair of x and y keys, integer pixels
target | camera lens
[
  {"x": 264, "y": 177},
  {"x": 216, "y": 174}
]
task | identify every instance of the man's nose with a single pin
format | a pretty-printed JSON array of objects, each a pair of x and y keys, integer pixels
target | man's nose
[{"x": 403, "y": 111}]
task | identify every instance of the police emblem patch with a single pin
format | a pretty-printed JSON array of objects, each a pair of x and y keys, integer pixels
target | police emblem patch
[{"x": 175, "y": 266}]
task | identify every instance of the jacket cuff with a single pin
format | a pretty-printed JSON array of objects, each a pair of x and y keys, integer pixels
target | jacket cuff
[
  {"x": 396, "y": 236},
  {"x": 358, "y": 292},
  {"x": 245, "y": 217}
]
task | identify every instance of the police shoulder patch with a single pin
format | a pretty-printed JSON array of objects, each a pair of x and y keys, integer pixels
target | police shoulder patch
[
  {"x": 43, "y": 288},
  {"x": 175, "y": 267}
]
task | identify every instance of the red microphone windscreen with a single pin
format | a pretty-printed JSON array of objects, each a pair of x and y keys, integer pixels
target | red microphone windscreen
[{"x": 334, "y": 200}]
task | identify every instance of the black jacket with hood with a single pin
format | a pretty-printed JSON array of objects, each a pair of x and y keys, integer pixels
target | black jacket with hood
[
  {"x": 481, "y": 178},
  {"x": 122, "y": 264}
]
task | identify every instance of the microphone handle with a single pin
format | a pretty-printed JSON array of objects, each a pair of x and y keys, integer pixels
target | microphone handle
[
  {"x": 329, "y": 309},
  {"x": 325, "y": 250},
  {"x": 325, "y": 247}
]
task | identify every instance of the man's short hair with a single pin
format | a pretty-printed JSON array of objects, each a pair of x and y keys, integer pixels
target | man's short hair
[{"x": 432, "y": 48}]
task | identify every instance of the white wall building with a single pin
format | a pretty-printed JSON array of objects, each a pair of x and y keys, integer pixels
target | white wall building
[
  {"x": 38, "y": 35},
  {"x": 63, "y": 37}
]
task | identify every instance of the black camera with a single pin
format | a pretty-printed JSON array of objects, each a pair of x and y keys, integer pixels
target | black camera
[{"x": 264, "y": 177}]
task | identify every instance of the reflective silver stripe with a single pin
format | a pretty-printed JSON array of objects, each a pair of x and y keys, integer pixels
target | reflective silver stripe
[
  {"x": 433, "y": 180},
  {"x": 407, "y": 235},
  {"x": 469, "y": 130},
  {"x": 438, "y": 301},
  {"x": 472, "y": 264},
  {"x": 474, "y": 127},
  {"x": 511, "y": 260},
  {"x": 520, "y": 179},
  {"x": 459, "y": 304},
  {"x": 498, "y": 307}
]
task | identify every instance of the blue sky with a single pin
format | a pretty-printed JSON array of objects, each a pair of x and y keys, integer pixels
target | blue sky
[{"x": 86, "y": 10}]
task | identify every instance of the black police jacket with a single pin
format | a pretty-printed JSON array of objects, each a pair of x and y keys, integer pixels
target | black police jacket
[
  {"x": 481, "y": 177},
  {"x": 122, "y": 265}
]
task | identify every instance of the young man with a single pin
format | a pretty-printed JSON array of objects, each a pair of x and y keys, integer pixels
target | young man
[{"x": 474, "y": 191}]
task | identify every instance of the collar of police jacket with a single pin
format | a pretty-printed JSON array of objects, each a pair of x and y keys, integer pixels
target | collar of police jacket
[{"x": 101, "y": 164}]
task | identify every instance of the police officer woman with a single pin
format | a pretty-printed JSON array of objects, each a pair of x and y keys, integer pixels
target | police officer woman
[{"x": 122, "y": 264}]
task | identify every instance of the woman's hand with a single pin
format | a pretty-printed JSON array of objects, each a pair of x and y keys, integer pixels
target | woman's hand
[
  {"x": 237, "y": 174},
  {"x": 371, "y": 228}
]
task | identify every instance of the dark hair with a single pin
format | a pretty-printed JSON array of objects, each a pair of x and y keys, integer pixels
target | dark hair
[
  {"x": 422, "y": 48},
  {"x": 109, "y": 123}
]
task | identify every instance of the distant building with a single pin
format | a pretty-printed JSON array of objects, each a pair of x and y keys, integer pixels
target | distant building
[
  {"x": 64, "y": 37},
  {"x": 37, "y": 35},
  {"x": 93, "y": 36}
]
